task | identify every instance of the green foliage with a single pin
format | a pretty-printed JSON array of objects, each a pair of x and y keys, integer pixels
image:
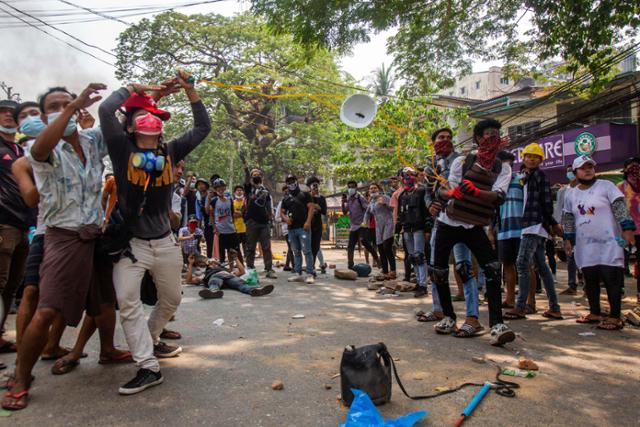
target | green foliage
[
  {"x": 372, "y": 153},
  {"x": 437, "y": 40}
]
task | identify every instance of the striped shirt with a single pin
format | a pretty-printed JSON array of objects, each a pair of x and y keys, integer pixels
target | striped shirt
[{"x": 511, "y": 210}]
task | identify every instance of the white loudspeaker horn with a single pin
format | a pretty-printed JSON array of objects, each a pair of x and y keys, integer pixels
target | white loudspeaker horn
[{"x": 358, "y": 110}]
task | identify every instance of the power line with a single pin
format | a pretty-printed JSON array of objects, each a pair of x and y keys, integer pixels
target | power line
[
  {"x": 94, "y": 12},
  {"x": 58, "y": 38}
]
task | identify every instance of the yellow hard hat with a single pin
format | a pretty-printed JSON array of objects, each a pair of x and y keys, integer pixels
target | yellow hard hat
[{"x": 534, "y": 149}]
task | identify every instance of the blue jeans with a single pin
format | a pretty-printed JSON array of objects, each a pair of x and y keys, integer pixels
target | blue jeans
[
  {"x": 532, "y": 249},
  {"x": 461, "y": 254},
  {"x": 235, "y": 283},
  {"x": 414, "y": 242},
  {"x": 300, "y": 241}
]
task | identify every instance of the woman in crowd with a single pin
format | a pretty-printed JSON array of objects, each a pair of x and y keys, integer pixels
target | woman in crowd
[
  {"x": 598, "y": 226},
  {"x": 380, "y": 208}
]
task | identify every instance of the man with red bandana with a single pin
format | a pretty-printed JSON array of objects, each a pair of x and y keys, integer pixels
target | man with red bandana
[
  {"x": 630, "y": 187},
  {"x": 477, "y": 184},
  {"x": 143, "y": 168},
  {"x": 442, "y": 140}
]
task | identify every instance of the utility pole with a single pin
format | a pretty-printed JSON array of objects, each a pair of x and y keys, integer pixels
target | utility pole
[{"x": 9, "y": 93}]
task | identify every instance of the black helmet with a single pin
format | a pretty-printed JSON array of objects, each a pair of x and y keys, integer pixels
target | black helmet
[
  {"x": 219, "y": 182},
  {"x": 312, "y": 180}
]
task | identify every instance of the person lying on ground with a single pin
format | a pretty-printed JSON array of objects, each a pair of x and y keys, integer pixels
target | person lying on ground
[{"x": 218, "y": 276}]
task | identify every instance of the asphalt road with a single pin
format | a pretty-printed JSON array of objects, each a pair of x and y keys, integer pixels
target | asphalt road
[{"x": 224, "y": 375}]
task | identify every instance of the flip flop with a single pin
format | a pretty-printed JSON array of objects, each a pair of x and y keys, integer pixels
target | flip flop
[
  {"x": 551, "y": 315},
  {"x": 428, "y": 317},
  {"x": 589, "y": 319},
  {"x": 68, "y": 350},
  {"x": 64, "y": 366},
  {"x": 21, "y": 400},
  {"x": 8, "y": 347},
  {"x": 125, "y": 357},
  {"x": 468, "y": 330},
  {"x": 513, "y": 315},
  {"x": 611, "y": 324}
]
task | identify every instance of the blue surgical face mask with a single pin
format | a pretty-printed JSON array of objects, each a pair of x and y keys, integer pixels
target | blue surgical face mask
[
  {"x": 32, "y": 126},
  {"x": 571, "y": 176},
  {"x": 72, "y": 125},
  {"x": 351, "y": 191},
  {"x": 9, "y": 131}
]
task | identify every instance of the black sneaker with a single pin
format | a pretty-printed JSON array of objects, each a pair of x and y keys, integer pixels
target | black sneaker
[
  {"x": 264, "y": 290},
  {"x": 144, "y": 379},
  {"x": 207, "y": 293},
  {"x": 420, "y": 292},
  {"x": 164, "y": 350},
  {"x": 323, "y": 269},
  {"x": 287, "y": 269}
]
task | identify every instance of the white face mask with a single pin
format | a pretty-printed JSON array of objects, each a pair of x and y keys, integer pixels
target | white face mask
[{"x": 351, "y": 191}]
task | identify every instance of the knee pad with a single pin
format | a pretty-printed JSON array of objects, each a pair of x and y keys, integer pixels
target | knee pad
[
  {"x": 464, "y": 269},
  {"x": 441, "y": 275},
  {"x": 492, "y": 271},
  {"x": 419, "y": 258}
]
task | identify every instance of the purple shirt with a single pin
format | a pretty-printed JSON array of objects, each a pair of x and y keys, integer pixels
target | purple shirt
[{"x": 356, "y": 206}]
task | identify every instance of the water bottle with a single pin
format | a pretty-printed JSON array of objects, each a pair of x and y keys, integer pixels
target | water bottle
[{"x": 515, "y": 372}]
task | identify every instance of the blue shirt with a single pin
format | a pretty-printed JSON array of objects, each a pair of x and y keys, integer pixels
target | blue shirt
[{"x": 511, "y": 210}]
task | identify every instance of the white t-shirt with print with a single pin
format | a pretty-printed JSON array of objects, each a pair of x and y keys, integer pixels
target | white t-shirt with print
[{"x": 596, "y": 227}]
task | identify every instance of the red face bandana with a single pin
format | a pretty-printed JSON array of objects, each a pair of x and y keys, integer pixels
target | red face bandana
[
  {"x": 633, "y": 176},
  {"x": 192, "y": 226},
  {"x": 443, "y": 148},
  {"x": 487, "y": 150}
]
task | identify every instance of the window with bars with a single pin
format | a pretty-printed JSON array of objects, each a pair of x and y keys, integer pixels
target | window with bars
[
  {"x": 523, "y": 129},
  {"x": 504, "y": 80}
]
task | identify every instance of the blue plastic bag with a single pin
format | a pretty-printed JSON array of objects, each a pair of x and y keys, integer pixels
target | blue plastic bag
[{"x": 363, "y": 413}]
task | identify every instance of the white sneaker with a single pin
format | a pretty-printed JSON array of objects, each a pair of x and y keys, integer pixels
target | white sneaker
[
  {"x": 446, "y": 326},
  {"x": 501, "y": 334},
  {"x": 299, "y": 278},
  {"x": 310, "y": 280}
]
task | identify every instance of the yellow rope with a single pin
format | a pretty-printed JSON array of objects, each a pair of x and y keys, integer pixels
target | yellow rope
[{"x": 248, "y": 88}]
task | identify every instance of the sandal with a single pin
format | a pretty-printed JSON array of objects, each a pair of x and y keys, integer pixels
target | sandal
[
  {"x": 589, "y": 319},
  {"x": 555, "y": 315},
  {"x": 170, "y": 335},
  {"x": 530, "y": 309},
  {"x": 514, "y": 315},
  {"x": 15, "y": 401},
  {"x": 64, "y": 366},
  {"x": 506, "y": 305},
  {"x": 611, "y": 324},
  {"x": 446, "y": 326},
  {"x": 124, "y": 357},
  {"x": 428, "y": 317},
  {"x": 468, "y": 330}
]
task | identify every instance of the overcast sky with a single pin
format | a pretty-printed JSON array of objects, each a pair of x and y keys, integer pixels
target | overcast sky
[{"x": 33, "y": 61}]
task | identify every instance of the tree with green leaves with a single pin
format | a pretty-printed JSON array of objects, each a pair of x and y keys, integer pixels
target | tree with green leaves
[
  {"x": 437, "y": 40},
  {"x": 383, "y": 81},
  {"x": 399, "y": 136},
  {"x": 255, "y": 84}
]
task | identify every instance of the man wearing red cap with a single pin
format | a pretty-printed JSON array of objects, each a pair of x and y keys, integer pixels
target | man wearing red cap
[{"x": 142, "y": 165}]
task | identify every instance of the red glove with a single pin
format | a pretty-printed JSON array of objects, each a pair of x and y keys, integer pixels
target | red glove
[
  {"x": 469, "y": 188},
  {"x": 456, "y": 193}
]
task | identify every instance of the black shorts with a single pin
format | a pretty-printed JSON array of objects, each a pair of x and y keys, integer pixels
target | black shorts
[
  {"x": 508, "y": 250},
  {"x": 34, "y": 259}
]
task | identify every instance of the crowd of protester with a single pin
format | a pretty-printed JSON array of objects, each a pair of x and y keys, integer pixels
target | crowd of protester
[{"x": 112, "y": 239}]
